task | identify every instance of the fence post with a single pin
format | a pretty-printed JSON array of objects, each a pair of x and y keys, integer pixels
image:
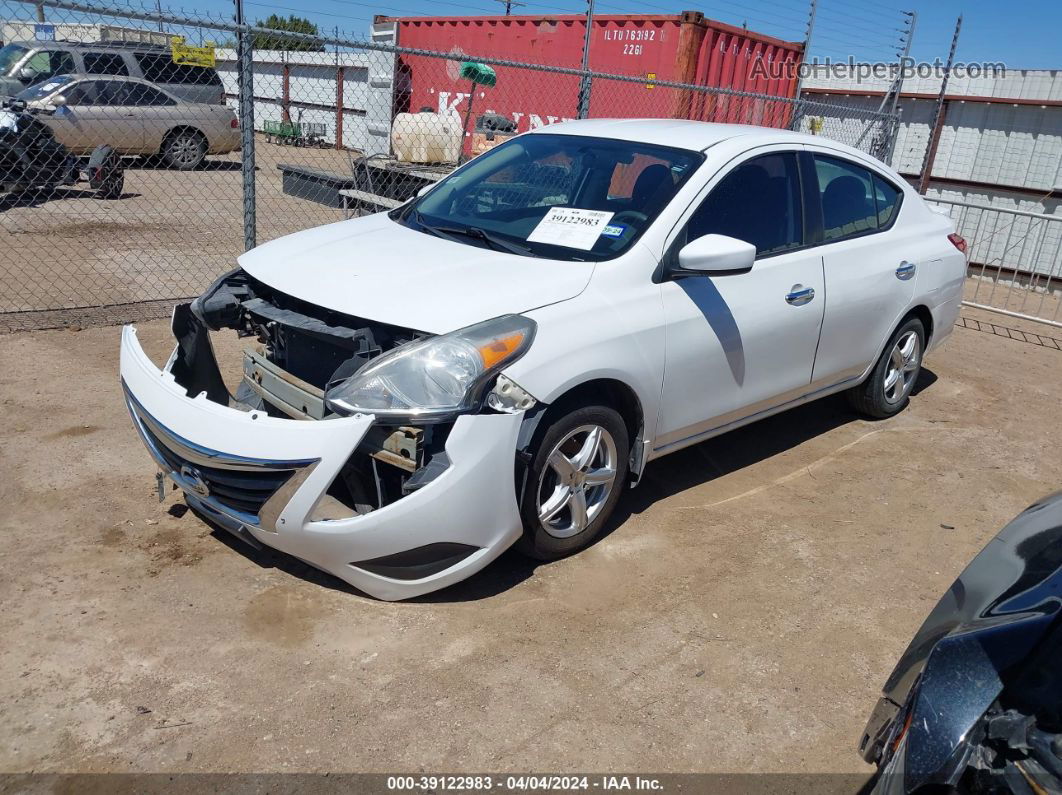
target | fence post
[
  {"x": 584, "y": 81},
  {"x": 340, "y": 75},
  {"x": 245, "y": 75},
  {"x": 938, "y": 117}
]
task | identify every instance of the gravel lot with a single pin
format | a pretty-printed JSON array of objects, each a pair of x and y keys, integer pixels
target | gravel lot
[
  {"x": 169, "y": 236},
  {"x": 741, "y": 616}
]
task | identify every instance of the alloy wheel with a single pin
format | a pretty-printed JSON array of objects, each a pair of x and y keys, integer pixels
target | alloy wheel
[
  {"x": 577, "y": 481},
  {"x": 185, "y": 150},
  {"x": 904, "y": 361}
]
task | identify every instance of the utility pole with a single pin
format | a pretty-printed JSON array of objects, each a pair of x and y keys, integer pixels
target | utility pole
[
  {"x": 938, "y": 117},
  {"x": 245, "y": 79},
  {"x": 584, "y": 82},
  {"x": 158, "y": 7},
  {"x": 40, "y": 12}
]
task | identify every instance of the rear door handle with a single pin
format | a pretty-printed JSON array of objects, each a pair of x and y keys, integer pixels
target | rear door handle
[
  {"x": 905, "y": 271},
  {"x": 799, "y": 295}
]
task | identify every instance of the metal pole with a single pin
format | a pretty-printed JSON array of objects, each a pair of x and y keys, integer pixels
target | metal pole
[
  {"x": 903, "y": 58},
  {"x": 245, "y": 77},
  {"x": 938, "y": 117},
  {"x": 812, "y": 10},
  {"x": 158, "y": 7},
  {"x": 584, "y": 82},
  {"x": 40, "y": 12},
  {"x": 894, "y": 111}
]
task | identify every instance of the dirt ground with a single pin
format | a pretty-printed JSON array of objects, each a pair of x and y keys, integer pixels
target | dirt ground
[{"x": 742, "y": 615}]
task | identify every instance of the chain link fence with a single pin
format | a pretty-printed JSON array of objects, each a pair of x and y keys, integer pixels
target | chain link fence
[{"x": 318, "y": 130}]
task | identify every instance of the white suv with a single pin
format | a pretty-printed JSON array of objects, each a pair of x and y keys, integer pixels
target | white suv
[{"x": 493, "y": 361}]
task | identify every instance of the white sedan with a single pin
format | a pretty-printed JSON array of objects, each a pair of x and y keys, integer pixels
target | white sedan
[{"x": 492, "y": 362}]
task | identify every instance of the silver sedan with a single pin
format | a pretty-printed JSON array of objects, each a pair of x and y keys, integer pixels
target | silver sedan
[{"x": 133, "y": 116}]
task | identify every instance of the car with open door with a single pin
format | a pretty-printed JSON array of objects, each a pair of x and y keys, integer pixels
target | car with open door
[{"x": 494, "y": 361}]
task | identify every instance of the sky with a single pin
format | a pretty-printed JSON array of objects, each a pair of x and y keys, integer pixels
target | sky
[{"x": 1024, "y": 34}]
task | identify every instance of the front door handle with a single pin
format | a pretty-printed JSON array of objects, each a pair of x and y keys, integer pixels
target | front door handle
[
  {"x": 905, "y": 271},
  {"x": 799, "y": 295}
]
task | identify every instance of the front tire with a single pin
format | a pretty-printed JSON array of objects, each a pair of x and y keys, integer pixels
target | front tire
[
  {"x": 575, "y": 478},
  {"x": 184, "y": 150},
  {"x": 887, "y": 390}
]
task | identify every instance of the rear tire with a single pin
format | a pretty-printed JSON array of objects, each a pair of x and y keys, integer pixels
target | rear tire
[
  {"x": 575, "y": 478},
  {"x": 184, "y": 150},
  {"x": 887, "y": 390},
  {"x": 113, "y": 186}
]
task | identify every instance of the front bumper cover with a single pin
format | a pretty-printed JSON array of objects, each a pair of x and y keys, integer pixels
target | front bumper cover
[{"x": 472, "y": 503}]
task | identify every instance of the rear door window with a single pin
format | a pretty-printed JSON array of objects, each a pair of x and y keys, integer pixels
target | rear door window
[
  {"x": 855, "y": 201},
  {"x": 105, "y": 63},
  {"x": 887, "y": 198},
  {"x": 758, "y": 202}
]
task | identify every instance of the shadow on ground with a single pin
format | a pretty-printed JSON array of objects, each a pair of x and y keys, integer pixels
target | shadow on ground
[{"x": 666, "y": 477}]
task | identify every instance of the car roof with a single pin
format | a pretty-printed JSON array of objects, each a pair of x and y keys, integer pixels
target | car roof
[
  {"x": 700, "y": 135},
  {"x": 115, "y": 46},
  {"x": 681, "y": 133}
]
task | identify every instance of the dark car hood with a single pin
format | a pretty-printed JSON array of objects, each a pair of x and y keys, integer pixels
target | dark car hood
[
  {"x": 1016, "y": 577},
  {"x": 991, "y": 618}
]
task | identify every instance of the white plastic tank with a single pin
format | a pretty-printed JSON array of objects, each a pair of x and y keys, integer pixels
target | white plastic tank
[{"x": 426, "y": 137}]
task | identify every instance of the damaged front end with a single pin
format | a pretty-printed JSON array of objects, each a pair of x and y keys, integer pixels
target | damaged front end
[
  {"x": 382, "y": 454},
  {"x": 301, "y": 351}
]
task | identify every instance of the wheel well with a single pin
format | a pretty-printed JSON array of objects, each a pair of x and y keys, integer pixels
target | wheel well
[
  {"x": 180, "y": 129},
  {"x": 922, "y": 313},
  {"x": 607, "y": 392}
]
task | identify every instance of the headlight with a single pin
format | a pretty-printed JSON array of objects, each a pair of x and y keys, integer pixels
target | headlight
[{"x": 435, "y": 378}]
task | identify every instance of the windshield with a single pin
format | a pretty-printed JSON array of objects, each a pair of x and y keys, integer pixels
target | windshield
[
  {"x": 569, "y": 197},
  {"x": 11, "y": 54},
  {"x": 42, "y": 90}
]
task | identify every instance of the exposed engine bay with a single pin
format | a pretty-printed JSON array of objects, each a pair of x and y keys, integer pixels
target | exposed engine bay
[{"x": 302, "y": 350}]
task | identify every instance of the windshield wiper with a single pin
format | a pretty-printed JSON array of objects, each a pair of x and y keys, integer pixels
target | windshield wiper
[{"x": 475, "y": 233}]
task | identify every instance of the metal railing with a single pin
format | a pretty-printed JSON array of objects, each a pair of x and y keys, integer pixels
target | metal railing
[
  {"x": 1015, "y": 259},
  {"x": 328, "y": 127}
]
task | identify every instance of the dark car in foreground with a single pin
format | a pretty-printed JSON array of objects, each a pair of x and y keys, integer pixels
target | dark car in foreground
[{"x": 975, "y": 703}]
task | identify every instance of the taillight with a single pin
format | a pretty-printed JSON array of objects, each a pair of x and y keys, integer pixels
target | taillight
[
  {"x": 235, "y": 124},
  {"x": 958, "y": 241}
]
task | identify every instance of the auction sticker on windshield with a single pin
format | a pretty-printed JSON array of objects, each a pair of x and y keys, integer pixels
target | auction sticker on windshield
[{"x": 570, "y": 227}]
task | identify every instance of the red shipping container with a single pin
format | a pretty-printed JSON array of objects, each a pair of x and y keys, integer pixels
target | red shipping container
[{"x": 684, "y": 48}]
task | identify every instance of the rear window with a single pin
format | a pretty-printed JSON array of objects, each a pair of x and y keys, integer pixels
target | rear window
[
  {"x": 105, "y": 63},
  {"x": 160, "y": 68}
]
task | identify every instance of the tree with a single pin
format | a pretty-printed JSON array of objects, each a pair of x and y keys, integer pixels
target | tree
[{"x": 293, "y": 24}]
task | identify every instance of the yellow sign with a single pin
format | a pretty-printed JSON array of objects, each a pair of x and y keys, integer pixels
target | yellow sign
[
  {"x": 191, "y": 56},
  {"x": 650, "y": 76}
]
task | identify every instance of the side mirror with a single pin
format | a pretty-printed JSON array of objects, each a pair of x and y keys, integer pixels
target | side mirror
[
  {"x": 425, "y": 189},
  {"x": 59, "y": 101},
  {"x": 27, "y": 74},
  {"x": 715, "y": 254}
]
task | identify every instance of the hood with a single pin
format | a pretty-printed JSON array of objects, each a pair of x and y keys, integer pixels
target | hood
[
  {"x": 988, "y": 622},
  {"x": 377, "y": 269},
  {"x": 1016, "y": 578}
]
